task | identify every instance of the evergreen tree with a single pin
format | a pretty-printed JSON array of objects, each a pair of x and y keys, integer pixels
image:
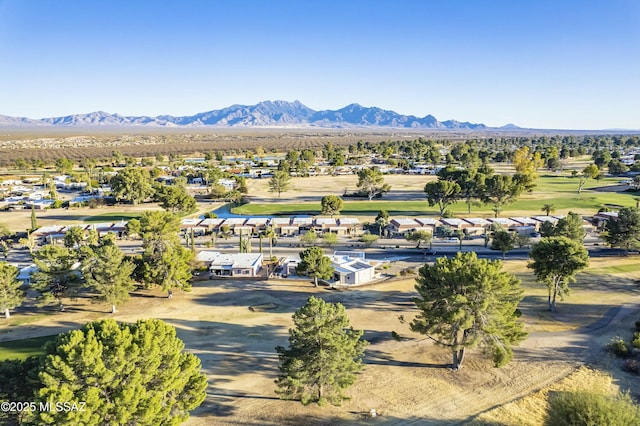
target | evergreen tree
[
  {"x": 555, "y": 261},
  {"x": 464, "y": 302},
  {"x": 315, "y": 263},
  {"x": 109, "y": 274},
  {"x": 331, "y": 204},
  {"x": 57, "y": 276},
  {"x": 10, "y": 294},
  {"x": 442, "y": 193},
  {"x": 34, "y": 219},
  {"x": 280, "y": 182},
  {"x": 570, "y": 227},
  {"x": 164, "y": 261},
  {"x": 123, "y": 373},
  {"x": 324, "y": 355},
  {"x": 624, "y": 231},
  {"x": 503, "y": 241}
]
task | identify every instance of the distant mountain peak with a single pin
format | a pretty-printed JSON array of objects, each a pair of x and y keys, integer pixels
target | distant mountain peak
[{"x": 267, "y": 113}]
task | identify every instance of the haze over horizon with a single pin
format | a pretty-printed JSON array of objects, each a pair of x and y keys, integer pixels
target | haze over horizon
[{"x": 543, "y": 64}]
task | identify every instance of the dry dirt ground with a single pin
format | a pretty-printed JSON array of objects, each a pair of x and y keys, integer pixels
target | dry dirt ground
[
  {"x": 403, "y": 187},
  {"x": 406, "y": 381}
]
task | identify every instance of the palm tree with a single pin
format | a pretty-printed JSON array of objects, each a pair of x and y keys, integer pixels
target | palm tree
[
  {"x": 271, "y": 235},
  {"x": 548, "y": 209}
]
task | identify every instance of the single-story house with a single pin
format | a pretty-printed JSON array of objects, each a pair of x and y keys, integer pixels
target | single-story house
[
  {"x": 302, "y": 223},
  {"x": 427, "y": 224},
  {"x": 347, "y": 226},
  {"x": 324, "y": 224},
  {"x": 257, "y": 224},
  {"x": 503, "y": 222},
  {"x": 232, "y": 264},
  {"x": 282, "y": 226},
  {"x": 352, "y": 271},
  {"x": 401, "y": 227},
  {"x": 454, "y": 223},
  {"x": 600, "y": 219}
]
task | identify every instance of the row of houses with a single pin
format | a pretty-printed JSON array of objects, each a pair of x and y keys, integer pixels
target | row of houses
[
  {"x": 343, "y": 226},
  {"x": 282, "y": 226},
  {"x": 399, "y": 227}
]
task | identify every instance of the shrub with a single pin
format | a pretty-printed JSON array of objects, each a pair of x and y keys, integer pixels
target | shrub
[
  {"x": 637, "y": 325},
  {"x": 632, "y": 366},
  {"x": 585, "y": 408},
  {"x": 636, "y": 340},
  {"x": 619, "y": 347}
]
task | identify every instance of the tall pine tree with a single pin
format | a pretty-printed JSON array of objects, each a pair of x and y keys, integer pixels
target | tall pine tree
[
  {"x": 465, "y": 302},
  {"x": 324, "y": 355},
  {"x": 124, "y": 373},
  {"x": 109, "y": 274},
  {"x": 10, "y": 294}
]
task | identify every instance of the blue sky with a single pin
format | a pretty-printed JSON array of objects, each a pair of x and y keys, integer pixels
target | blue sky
[{"x": 541, "y": 64}]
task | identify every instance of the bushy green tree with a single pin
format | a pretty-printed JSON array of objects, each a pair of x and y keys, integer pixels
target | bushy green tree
[
  {"x": 555, "y": 261},
  {"x": 315, "y": 264},
  {"x": 571, "y": 227},
  {"x": 464, "y": 302},
  {"x": 419, "y": 237},
  {"x": 331, "y": 204},
  {"x": 165, "y": 262},
  {"x": 371, "y": 183},
  {"x": 132, "y": 184},
  {"x": 124, "y": 373},
  {"x": 442, "y": 193},
  {"x": 109, "y": 273},
  {"x": 10, "y": 294},
  {"x": 310, "y": 237},
  {"x": 330, "y": 239},
  {"x": 503, "y": 241},
  {"x": 57, "y": 275},
  {"x": 624, "y": 231},
  {"x": 324, "y": 355},
  {"x": 175, "y": 198},
  {"x": 590, "y": 172}
]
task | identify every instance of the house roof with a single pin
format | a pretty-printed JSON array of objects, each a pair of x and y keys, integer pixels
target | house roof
[
  {"x": 207, "y": 255},
  {"x": 257, "y": 221},
  {"x": 237, "y": 260},
  {"x": 502, "y": 221},
  {"x": 527, "y": 221},
  {"x": 453, "y": 222},
  {"x": 281, "y": 221},
  {"x": 475, "y": 221},
  {"x": 348, "y": 221},
  {"x": 403, "y": 222},
  {"x": 427, "y": 221}
]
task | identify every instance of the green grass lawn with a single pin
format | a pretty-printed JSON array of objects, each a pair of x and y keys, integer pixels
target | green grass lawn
[
  {"x": 561, "y": 191},
  {"x": 22, "y": 349},
  {"x": 111, "y": 217}
]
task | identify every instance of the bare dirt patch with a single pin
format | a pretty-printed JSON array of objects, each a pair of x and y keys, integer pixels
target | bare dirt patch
[{"x": 406, "y": 381}]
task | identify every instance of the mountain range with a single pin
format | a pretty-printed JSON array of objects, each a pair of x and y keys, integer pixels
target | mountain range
[{"x": 263, "y": 114}]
